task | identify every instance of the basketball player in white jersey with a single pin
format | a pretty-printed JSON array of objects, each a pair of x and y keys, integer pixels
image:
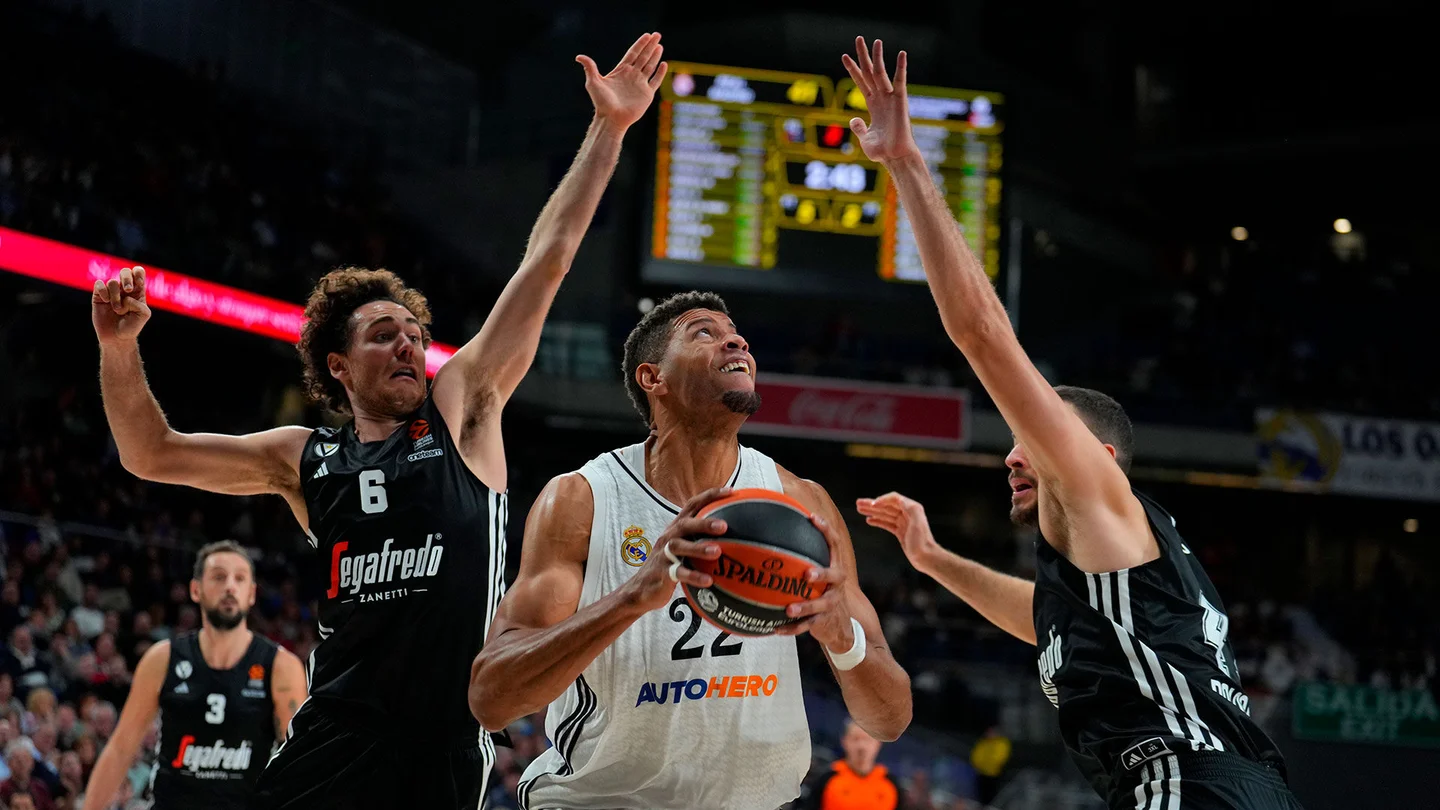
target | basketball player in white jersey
[{"x": 650, "y": 707}]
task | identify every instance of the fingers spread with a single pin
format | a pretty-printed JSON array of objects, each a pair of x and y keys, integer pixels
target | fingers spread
[
  {"x": 652, "y": 58},
  {"x": 631, "y": 56},
  {"x": 659, "y": 77},
  {"x": 883, "y": 77},
  {"x": 900, "y": 64},
  {"x": 863, "y": 56},
  {"x": 856, "y": 75}
]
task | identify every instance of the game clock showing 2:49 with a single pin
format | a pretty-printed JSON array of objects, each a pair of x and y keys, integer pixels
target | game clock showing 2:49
[{"x": 758, "y": 170}]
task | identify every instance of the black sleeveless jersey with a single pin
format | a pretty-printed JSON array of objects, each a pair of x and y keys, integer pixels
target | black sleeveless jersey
[
  {"x": 216, "y": 727},
  {"x": 1138, "y": 662},
  {"x": 414, "y": 552}
]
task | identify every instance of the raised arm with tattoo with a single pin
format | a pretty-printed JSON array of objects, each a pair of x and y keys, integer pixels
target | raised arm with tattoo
[{"x": 1006, "y": 601}]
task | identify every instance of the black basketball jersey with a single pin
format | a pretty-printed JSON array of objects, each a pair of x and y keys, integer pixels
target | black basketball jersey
[
  {"x": 414, "y": 550},
  {"x": 1139, "y": 662},
  {"x": 216, "y": 727}
]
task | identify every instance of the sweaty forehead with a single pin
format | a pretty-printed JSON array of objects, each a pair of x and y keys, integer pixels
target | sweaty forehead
[
  {"x": 694, "y": 315},
  {"x": 226, "y": 561},
  {"x": 375, "y": 310}
]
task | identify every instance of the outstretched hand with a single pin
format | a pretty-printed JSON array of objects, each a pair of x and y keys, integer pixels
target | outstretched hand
[
  {"x": 887, "y": 137},
  {"x": 622, "y": 95},
  {"x": 904, "y": 518}
]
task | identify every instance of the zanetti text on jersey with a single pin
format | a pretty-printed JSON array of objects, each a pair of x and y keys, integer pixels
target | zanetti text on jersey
[{"x": 349, "y": 573}]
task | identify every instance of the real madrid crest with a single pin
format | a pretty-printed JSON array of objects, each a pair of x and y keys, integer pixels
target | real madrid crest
[{"x": 634, "y": 548}]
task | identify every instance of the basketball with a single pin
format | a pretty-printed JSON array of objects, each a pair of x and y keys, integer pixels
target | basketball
[{"x": 768, "y": 546}]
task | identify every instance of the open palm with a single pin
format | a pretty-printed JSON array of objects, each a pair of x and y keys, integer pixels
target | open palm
[
  {"x": 887, "y": 136},
  {"x": 622, "y": 95},
  {"x": 904, "y": 518}
]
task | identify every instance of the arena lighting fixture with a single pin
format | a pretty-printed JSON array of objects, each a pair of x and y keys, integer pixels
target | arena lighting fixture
[
  {"x": 1342, "y": 225},
  {"x": 76, "y": 267},
  {"x": 1412, "y": 525},
  {"x": 1239, "y": 233}
]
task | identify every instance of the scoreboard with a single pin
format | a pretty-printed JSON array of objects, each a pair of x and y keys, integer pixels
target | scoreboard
[{"x": 760, "y": 183}]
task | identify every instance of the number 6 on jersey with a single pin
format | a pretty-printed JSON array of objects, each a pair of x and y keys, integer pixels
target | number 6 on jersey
[{"x": 372, "y": 492}]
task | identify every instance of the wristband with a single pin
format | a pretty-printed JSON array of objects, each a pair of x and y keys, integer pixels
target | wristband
[{"x": 852, "y": 657}]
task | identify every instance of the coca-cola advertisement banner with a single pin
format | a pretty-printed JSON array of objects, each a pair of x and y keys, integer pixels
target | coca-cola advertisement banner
[{"x": 850, "y": 410}]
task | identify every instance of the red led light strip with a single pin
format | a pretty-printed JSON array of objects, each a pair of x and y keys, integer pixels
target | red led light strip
[{"x": 76, "y": 267}]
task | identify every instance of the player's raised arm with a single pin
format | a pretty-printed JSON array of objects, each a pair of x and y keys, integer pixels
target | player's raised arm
[
  {"x": 135, "y": 719},
  {"x": 1093, "y": 488},
  {"x": 539, "y": 643},
  {"x": 486, "y": 371},
  {"x": 253, "y": 464},
  {"x": 1006, "y": 601},
  {"x": 877, "y": 689}
]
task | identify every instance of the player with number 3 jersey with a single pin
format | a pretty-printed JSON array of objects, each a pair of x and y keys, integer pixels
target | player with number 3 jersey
[
  {"x": 405, "y": 503},
  {"x": 650, "y": 708}
]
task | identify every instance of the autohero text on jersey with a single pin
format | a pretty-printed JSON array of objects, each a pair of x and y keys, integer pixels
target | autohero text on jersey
[
  {"x": 349, "y": 573},
  {"x": 728, "y": 686}
]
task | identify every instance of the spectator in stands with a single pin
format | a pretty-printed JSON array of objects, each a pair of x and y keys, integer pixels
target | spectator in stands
[
  {"x": 72, "y": 776},
  {"x": 51, "y": 616},
  {"x": 25, "y": 664},
  {"x": 39, "y": 709},
  {"x": 102, "y": 721},
  {"x": 89, "y": 618},
  {"x": 22, "y": 801},
  {"x": 855, "y": 781},
  {"x": 8, "y": 700},
  {"x": 989, "y": 757},
  {"x": 10, "y": 615},
  {"x": 22, "y": 766}
]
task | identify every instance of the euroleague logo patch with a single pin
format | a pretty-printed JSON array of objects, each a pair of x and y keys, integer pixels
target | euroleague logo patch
[
  {"x": 634, "y": 548},
  {"x": 420, "y": 434}
]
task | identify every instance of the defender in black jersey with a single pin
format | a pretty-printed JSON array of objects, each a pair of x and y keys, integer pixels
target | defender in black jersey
[
  {"x": 1131, "y": 634},
  {"x": 224, "y": 696},
  {"x": 405, "y": 503}
]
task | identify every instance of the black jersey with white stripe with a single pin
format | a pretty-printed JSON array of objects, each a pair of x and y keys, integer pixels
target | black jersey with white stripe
[
  {"x": 413, "y": 545},
  {"x": 216, "y": 727},
  {"x": 1139, "y": 664}
]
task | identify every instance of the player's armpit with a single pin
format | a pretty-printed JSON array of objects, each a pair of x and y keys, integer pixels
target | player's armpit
[{"x": 287, "y": 690}]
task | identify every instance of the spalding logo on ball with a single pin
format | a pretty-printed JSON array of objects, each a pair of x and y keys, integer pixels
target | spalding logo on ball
[{"x": 768, "y": 547}]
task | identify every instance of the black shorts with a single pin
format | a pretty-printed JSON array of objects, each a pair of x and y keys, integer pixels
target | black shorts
[
  {"x": 327, "y": 765},
  {"x": 1202, "y": 780}
]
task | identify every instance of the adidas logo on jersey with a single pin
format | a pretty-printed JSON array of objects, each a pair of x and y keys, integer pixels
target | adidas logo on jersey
[
  {"x": 182, "y": 689},
  {"x": 1050, "y": 662},
  {"x": 212, "y": 761},
  {"x": 321, "y": 471},
  {"x": 730, "y": 686},
  {"x": 350, "y": 573}
]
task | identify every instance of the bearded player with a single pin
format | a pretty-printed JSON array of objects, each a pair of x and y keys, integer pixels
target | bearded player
[
  {"x": 224, "y": 695},
  {"x": 1131, "y": 633},
  {"x": 405, "y": 503},
  {"x": 649, "y": 708}
]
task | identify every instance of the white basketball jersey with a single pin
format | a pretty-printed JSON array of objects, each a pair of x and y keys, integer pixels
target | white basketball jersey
[{"x": 675, "y": 713}]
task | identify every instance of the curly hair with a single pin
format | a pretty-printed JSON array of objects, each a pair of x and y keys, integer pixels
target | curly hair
[
  {"x": 327, "y": 324},
  {"x": 646, "y": 342}
]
